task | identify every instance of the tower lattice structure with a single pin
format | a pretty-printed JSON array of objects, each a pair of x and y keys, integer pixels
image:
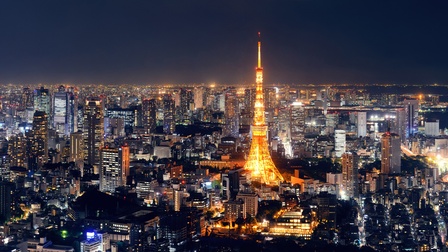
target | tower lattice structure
[{"x": 259, "y": 162}]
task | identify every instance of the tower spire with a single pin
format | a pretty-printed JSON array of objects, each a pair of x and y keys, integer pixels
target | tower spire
[
  {"x": 259, "y": 163},
  {"x": 259, "y": 50}
]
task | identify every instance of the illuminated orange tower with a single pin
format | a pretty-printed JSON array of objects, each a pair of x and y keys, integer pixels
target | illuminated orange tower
[{"x": 259, "y": 163}]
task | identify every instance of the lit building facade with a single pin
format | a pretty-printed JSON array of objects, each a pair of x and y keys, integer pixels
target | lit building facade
[
  {"x": 390, "y": 153},
  {"x": 349, "y": 175},
  {"x": 42, "y": 98},
  {"x": 411, "y": 110},
  {"x": 361, "y": 123},
  {"x": 149, "y": 107},
  {"x": 93, "y": 131},
  {"x": 114, "y": 168},
  {"x": 39, "y": 142},
  {"x": 17, "y": 150},
  {"x": 297, "y": 121},
  {"x": 169, "y": 122},
  {"x": 60, "y": 107},
  {"x": 297, "y": 222},
  {"x": 339, "y": 142},
  {"x": 250, "y": 203},
  {"x": 76, "y": 148},
  {"x": 231, "y": 114}
]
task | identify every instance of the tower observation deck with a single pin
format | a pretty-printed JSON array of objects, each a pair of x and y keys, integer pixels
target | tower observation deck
[{"x": 259, "y": 164}]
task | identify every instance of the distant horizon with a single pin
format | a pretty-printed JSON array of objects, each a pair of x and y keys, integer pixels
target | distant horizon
[
  {"x": 320, "y": 41},
  {"x": 212, "y": 85}
]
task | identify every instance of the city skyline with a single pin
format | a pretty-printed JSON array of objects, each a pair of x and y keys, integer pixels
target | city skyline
[{"x": 202, "y": 42}]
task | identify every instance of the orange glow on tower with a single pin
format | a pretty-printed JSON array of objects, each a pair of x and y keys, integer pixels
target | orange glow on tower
[{"x": 259, "y": 163}]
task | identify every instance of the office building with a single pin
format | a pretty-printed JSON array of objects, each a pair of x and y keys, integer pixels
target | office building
[
  {"x": 114, "y": 168},
  {"x": 411, "y": 110},
  {"x": 250, "y": 200},
  {"x": 93, "y": 131},
  {"x": 42, "y": 100},
  {"x": 349, "y": 175},
  {"x": 168, "y": 114},
  {"x": 231, "y": 127},
  {"x": 390, "y": 153},
  {"x": 339, "y": 142},
  {"x": 149, "y": 107},
  {"x": 39, "y": 139},
  {"x": 432, "y": 128},
  {"x": 361, "y": 124}
]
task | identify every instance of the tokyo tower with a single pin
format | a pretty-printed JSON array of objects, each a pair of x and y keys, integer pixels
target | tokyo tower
[{"x": 259, "y": 163}]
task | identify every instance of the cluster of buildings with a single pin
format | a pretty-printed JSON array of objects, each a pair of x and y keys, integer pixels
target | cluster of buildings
[{"x": 156, "y": 168}]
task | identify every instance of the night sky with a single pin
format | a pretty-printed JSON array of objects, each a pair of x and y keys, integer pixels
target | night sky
[{"x": 188, "y": 41}]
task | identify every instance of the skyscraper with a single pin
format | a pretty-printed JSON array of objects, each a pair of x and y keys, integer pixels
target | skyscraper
[
  {"x": 77, "y": 148},
  {"x": 60, "y": 111},
  {"x": 114, "y": 168},
  {"x": 42, "y": 100},
  {"x": 186, "y": 105},
  {"x": 361, "y": 123},
  {"x": 168, "y": 114},
  {"x": 350, "y": 174},
  {"x": 231, "y": 114},
  {"x": 93, "y": 131},
  {"x": 39, "y": 141},
  {"x": 150, "y": 114},
  {"x": 27, "y": 99},
  {"x": 411, "y": 110},
  {"x": 17, "y": 150},
  {"x": 297, "y": 121},
  {"x": 339, "y": 142},
  {"x": 259, "y": 163},
  {"x": 6, "y": 190},
  {"x": 390, "y": 153}
]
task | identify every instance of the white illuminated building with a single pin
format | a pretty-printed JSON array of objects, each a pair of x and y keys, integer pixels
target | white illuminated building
[{"x": 339, "y": 142}]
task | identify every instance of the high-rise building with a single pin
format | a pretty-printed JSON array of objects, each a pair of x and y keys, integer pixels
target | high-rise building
[
  {"x": 350, "y": 174},
  {"x": 76, "y": 147},
  {"x": 127, "y": 114},
  {"x": 233, "y": 210},
  {"x": 399, "y": 126},
  {"x": 39, "y": 142},
  {"x": 6, "y": 202},
  {"x": 231, "y": 114},
  {"x": 297, "y": 121},
  {"x": 114, "y": 168},
  {"x": 177, "y": 198},
  {"x": 42, "y": 100},
  {"x": 199, "y": 97},
  {"x": 93, "y": 131},
  {"x": 27, "y": 99},
  {"x": 250, "y": 200},
  {"x": 339, "y": 142},
  {"x": 150, "y": 114},
  {"x": 72, "y": 112},
  {"x": 61, "y": 112},
  {"x": 259, "y": 163},
  {"x": 432, "y": 127},
  {"x": 326, "y": 208},
  {"x": 17, "y": 150},
  {"x": 168, "y": 114},
  {"x": 411, "y": 110},
  {"x": 390, "y": 153},
  {"x": 249, "y": 98},
  {"x": 186, "y": 105},
  {"x": 270, "y": 98},
  {"x": 5, "y": 165},
  {"x": 361, "y": 123}
]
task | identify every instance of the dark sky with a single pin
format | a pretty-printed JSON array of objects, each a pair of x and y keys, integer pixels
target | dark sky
[{"x": 188, "y": 41}]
